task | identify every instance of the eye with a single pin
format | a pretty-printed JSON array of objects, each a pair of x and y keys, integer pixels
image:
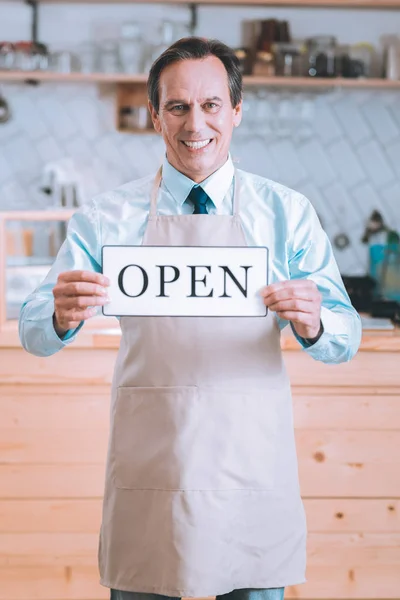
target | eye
[
  {"x": 178, "y": 108},
  {"x": 211, "y": 107}
]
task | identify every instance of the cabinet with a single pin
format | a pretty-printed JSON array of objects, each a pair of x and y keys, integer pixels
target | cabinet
[{"x": 29, "y": 242}]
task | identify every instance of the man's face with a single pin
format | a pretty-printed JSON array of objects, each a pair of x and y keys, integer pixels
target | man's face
[{"x": 196, "y": 118}]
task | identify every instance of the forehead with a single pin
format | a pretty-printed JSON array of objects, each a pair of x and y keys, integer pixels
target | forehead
[{"x": 195, "y": 79}]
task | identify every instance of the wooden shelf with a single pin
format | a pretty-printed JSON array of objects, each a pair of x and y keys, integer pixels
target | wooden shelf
[
  {"x": 374, "y": 4},
  {"x": 248, "y": 80},
  {"x": 71, "y": 77},
  {"x": 319, "y": 82}
]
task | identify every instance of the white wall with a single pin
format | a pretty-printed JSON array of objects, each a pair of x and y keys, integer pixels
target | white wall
[
  {"x": 71, "y": 23},
  {"x": 344, "y": 155}
]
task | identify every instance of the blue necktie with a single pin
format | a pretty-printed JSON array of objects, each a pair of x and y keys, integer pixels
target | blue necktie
[{"x": 199, "y": 199}]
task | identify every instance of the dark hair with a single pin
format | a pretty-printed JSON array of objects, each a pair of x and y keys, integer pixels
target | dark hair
[{"x": 196, "y": 48}]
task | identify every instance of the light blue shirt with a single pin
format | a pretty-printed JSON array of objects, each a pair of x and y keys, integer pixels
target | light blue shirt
[{"x": 272, "y": 215}]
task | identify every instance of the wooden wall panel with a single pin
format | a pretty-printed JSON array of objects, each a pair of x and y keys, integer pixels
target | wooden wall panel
[
  {"x": 332, "y": 411},
  {"x": 81, "y": 583},
  {"x": 88, "y": 407},
  {"x": 324, "y": 515},
  {"x": 51, "y": 481},
  {"x": 362, "y": 370},
  {"x": 53, "y": 516},
  {"x": 53, "y": 443},
  {"x": 80, "y": 549},
  {"x": 74, "y": 366}
]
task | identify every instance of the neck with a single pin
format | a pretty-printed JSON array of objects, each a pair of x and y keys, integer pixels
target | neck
[{"x": 196, "y": 177}]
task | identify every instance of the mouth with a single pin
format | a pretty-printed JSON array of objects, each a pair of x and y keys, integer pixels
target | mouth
[{"x": 197, "y": 146}]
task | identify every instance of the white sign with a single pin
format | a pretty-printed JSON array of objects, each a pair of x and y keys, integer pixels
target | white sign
[{"x": 185, "y": 281}]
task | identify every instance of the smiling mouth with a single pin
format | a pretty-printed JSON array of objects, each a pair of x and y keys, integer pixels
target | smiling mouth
[{"x": 197, "y": 145}]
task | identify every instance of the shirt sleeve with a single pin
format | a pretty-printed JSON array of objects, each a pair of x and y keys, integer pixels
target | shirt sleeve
[
  {"x": 310, "y": 256},
  {"x": 80, "y": 251}
]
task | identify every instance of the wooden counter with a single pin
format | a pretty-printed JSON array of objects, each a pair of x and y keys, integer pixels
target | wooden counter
[
  {"x": 53, "y": 440},
  {"x": 100, "y": 337}
]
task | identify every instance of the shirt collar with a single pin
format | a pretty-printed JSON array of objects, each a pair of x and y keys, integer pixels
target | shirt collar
[{"x": 216, "y": 185}]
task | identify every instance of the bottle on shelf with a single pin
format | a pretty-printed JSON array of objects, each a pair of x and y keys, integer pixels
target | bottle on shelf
[
  {"x": 131, "y": 48},
  {"x": 167, "y": 36}
]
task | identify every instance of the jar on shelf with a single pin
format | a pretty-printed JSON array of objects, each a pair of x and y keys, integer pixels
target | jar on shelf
[
  {"x": 355, "y": 61},
  {"x": 289, "y": 59},
  {"x": 88, "y": 55},
  {"x": 264, "y": 64},
  {"x": 7, "y": 56},
  {"x": 109, "y": 58},
  {"x": 166, "y": 35},
  {"x": 64, "y": 61},
  {"x": 131, "y": 48},
  {"x": 243, "y": 57},
  {"x": 321, "y": 52}
]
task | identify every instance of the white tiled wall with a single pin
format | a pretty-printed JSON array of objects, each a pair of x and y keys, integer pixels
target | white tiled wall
[{"x": 340, "y": 148}]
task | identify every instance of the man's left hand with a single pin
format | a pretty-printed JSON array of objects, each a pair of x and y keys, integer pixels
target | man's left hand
[{"x": 298, "y": 301}]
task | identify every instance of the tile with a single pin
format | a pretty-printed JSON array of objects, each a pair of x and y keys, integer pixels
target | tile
[
  {"x": 326, "y": 125},
  {"x": 341, "y": 204},
  {"x": 25, "y": 113},
  {"x": 315, "y": 161},
  {"x": 375, "y": 163},
  {"x": 13, "y": 196},
  {"x": 49, "y": 149},
  {"x": 350, "y": 117},
  {"x": 22, "y": 155},
  {"x": 394, "y": 110},
  {"x": 292, "y": 171},
  {"x": 367, "y": 200},
  {"x": 6, "y": 170},
  {"x": 393, "y": 152},
  {"x": 86, "y": 116},
  {"x": 256, "y": 158},
  {"x": 61, "y": 125},
  {"x": 346, "y": 163},
  {"x": 79, "y": 149},
  {"x": 8, "y": 130},
  {"x": 380, "y": 120},
  {"x": 314, "y": 195},
  {"x": 391, "y": 199}
]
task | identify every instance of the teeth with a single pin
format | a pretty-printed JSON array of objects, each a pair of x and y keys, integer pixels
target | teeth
[{"x": 197, "y": 145}]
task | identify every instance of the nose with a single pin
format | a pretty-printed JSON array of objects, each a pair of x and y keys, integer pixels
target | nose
[{"x": 195, "y": 119}]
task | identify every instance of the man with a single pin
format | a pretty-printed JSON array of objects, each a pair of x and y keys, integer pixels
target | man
[{"x": 202, "y": 494}]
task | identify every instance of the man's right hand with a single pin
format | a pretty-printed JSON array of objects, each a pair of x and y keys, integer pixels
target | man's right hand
[{"x": 74, "y": 293}]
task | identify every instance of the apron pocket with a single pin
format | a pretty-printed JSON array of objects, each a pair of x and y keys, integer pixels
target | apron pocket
[{"x": 190, "y": 438}]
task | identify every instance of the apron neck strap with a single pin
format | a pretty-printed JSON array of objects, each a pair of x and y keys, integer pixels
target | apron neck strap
[
  {"x": 154, "y": 193},
  {"x": 156, "y": 187},
  {"x": 236, "y": 194}
]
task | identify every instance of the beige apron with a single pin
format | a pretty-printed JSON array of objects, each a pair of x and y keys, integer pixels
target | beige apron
[{"x": 201, "y": 493}]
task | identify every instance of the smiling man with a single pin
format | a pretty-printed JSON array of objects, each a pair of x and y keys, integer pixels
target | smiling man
[{"x": 202, "y": 493}]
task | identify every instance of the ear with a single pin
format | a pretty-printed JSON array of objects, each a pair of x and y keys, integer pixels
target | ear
[
  {"x": 154, "y": 117},
  {"x": 237, "y": 114}
]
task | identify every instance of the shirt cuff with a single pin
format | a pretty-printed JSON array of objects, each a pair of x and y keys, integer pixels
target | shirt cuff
[
  {"x": 69, "y": 337},
  {"x": 333, "y": 325},
  {"x": 39, "y": 337}
]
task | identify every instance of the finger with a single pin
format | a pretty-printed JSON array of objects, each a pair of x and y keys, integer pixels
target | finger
[
  {"x": 78, "y": 288},
  {"x": 76, "y": 315},
  {"x": 81, "y": 302},
  {"x": 296, "y": 317},
  {"x": 290, "y": 284},
  {"x": 86, "y": 276},
  {"x": 289, "y": 293},
  {"x": 293, "y": 305}
]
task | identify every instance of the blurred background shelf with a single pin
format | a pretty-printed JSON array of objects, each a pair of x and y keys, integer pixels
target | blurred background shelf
[
  {"x": 377, "y": 4},
  {"x": 249, "y": 80}
]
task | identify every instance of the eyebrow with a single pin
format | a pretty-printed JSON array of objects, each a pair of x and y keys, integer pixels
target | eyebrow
[{"x": 177, "y": 101}]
